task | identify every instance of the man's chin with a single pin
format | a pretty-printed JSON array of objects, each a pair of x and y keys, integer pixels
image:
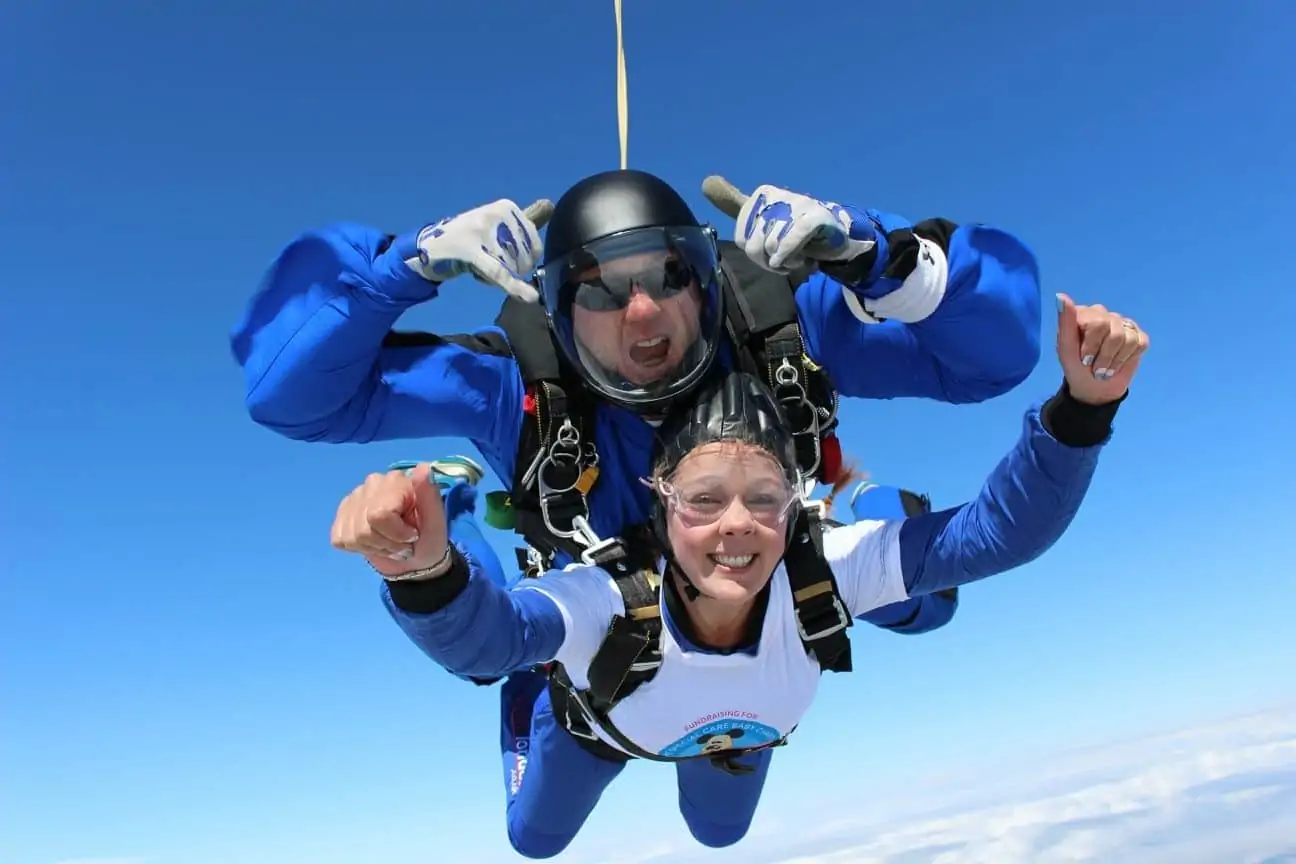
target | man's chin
[{"x": 642, "y": 375}]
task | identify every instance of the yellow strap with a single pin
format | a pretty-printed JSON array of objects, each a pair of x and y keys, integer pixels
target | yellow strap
[
  {"x": 587, "y": 478},
  {"x": 623, "y": 106}
]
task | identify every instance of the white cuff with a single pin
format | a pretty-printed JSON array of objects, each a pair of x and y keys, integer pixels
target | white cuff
[{"x": 916, "y": 298}]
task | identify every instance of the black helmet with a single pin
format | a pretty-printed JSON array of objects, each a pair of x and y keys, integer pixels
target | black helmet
[
  {"x": 739, "y": 407},
  {"x": 614, "y": 234}
]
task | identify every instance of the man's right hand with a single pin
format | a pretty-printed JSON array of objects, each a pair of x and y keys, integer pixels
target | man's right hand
[
  {"x": 395, "y": 520},
  {"x": 495, "y": 242}
]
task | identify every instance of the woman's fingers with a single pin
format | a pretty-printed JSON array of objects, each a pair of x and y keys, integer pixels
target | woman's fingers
[{"x": 374, "y": 519}]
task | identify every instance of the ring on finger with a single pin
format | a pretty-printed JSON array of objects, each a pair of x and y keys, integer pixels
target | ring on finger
[{"x": 1129, "y": 324}]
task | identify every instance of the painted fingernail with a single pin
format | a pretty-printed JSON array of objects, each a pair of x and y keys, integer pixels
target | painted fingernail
[
  {"x": 1087, "y": 360},
  {"x": 1060, "y": 304},
  {"x": 1100, "y": 373}
]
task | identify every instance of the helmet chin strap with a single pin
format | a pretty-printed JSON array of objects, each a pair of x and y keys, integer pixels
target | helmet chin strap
[{"x": 691, "y": 592}]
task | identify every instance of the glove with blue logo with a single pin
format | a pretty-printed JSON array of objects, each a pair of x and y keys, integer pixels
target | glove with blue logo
[
  {"x": 497, "y": 243},
  {"x": 783, "y": 231}
]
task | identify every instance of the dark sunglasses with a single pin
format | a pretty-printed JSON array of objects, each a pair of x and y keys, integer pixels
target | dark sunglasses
[{"x": 609, "y": 293}]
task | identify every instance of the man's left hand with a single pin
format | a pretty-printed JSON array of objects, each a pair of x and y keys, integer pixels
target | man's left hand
[{"x": 782, "y": 230}]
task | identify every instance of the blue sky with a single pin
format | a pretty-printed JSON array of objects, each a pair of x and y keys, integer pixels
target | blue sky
[{"x": 192, "y": 675}]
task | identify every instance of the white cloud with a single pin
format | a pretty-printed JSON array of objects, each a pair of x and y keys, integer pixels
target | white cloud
[
  {"x": 1223, "y": 793},
  {"x": 1226, "y": 793}
]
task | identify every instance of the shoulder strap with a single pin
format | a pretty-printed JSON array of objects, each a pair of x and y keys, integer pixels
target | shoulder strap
[
  {"x": 628, "y": 658},
  {"x": 822, "y": 619},
  {"x": 764, "y": 325},
  {"x": 630, "y": 653},
  {"x": 556, "y": 462},
  {"x": 758, "y": 302}
]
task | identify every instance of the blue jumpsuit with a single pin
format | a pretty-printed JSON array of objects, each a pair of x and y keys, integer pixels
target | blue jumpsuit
[
  {"x": 553, "y": 783},
  {"x": 921, "y": 614},
  {"x": 310, "y": 344}
]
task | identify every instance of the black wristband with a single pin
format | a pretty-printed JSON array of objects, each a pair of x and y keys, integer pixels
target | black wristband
[
  {"x": 1075, "y": 423},
  {"x": 425, "y": 596},
  {"x": 851, "y": 273}
]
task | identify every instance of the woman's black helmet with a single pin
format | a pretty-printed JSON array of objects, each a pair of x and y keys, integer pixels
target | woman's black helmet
[{"x": 737, "y": 408}]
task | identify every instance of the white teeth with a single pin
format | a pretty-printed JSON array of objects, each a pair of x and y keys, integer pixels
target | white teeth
[
  {"x": 735, "y": 561},
  {"x": 649, "y": 343}
]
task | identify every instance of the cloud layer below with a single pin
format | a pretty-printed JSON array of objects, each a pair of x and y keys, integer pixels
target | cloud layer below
[
  {"x": 1225, "y": 793},
  {"x": 1221, "y": 793}
]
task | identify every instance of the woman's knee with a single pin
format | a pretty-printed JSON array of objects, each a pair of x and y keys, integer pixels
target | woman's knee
[
  {"x": 718, "y": 807},
  {"x": 530, "y": 843},
  {"x": 561, "y": 787},
  {"x": 717, "y": 835}
]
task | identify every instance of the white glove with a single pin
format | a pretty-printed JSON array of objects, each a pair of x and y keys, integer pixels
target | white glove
[
  {"x": 782, "y": 231},
  {"x": 495, "y": 242}
]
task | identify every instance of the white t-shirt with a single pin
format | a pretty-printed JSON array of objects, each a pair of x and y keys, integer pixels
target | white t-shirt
[{"x": 700, "y": 702}]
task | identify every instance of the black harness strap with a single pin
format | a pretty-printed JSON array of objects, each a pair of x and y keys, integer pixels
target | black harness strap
[
  {"x": 630, "y": 653},
  {"x": 822, "y": 619},
  {"x": 557, "y": 463},
  {"x": 628, "y": 657},
  {"x": 764, "y": 326}
]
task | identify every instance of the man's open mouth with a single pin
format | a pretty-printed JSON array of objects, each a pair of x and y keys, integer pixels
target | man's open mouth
[{"x": 650, "y": 352}]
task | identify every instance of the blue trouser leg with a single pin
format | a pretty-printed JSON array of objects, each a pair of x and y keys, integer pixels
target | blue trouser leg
[
  {"x": 718, "y": 806},
  {"x": 917, "y": 614},
  {"x": 551, "y": 783}
]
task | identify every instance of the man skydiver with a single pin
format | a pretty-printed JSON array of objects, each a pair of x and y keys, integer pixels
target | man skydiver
[{"x": 634, "y": 292}]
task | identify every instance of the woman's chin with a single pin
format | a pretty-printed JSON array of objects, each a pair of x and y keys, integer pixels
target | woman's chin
[{"x": 724, "y": 584}]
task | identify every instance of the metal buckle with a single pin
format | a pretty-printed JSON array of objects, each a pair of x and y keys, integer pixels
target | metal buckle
[
  {"x": 843, "y": 621},
  {"x": 814, "y": 507},
  {"x": 788, "y": 378},
  {"x": 590, "y": 723},
  {"x": 596, "y": 547},
  {"x": 645, "y": 665}
]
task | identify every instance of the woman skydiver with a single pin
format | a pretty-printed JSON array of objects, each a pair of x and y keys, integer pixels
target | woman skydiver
[{"x": 734, "y": 679}]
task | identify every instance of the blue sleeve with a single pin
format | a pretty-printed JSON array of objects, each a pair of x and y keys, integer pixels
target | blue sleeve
[
  {"x": 1024, "y": 507},
  {"x": 917, "y": 615},
  {"x": 310, "y": 344},
  {"x": 981, "y": 341},
  {"x": 486, "y": 631}
]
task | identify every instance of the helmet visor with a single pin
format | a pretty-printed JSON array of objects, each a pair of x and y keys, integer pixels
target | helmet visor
[{"x": 639, "y": 312}]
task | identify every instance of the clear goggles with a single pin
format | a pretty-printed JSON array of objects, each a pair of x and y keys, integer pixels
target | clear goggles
[{"x": 703, "y": 502}]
